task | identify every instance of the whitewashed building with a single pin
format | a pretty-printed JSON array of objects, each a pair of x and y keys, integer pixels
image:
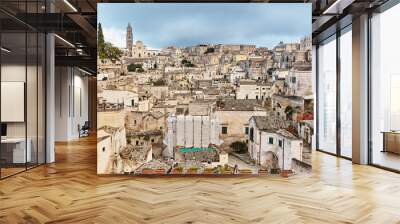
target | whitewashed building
[
  {"x": 236, "y": 74},
  {"x": 272, "y": 146},
  {"x": 128, "y": 98}
]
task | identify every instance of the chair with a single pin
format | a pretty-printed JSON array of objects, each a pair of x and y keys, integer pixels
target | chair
[{"x": 84, "y": 130}]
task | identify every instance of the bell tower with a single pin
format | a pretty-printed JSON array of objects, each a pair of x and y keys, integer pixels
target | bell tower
[{"x": 129, "y": 39}]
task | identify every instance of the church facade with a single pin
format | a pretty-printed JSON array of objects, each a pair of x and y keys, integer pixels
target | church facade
[{"x": 137, "y": 50}]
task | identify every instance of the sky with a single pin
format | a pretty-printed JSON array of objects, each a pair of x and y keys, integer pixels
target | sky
[{"x": 161, "y": 25}]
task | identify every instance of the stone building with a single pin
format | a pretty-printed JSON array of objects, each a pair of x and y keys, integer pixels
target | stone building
[
  {"x": 160, "y": 92},
  {"x": 287, "y": 107},
  {"x": 233, "y": 117},
  {"x": 145, "y": 121},
  {"x": 236, "y": 74},
  {"x": 110, "y": 142},
  {"x": 250, "y": 89},
  {"x": 299, "y": 80},
  {"x": 270, "y": 145},
  {"x": 126, "y": 97}
]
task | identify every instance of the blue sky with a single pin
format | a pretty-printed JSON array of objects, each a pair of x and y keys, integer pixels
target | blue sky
[{"x": 162, "y": 25}]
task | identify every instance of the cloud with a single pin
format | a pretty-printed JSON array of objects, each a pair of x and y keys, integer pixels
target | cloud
[
  {"x": 114, "y": 35},
  {"x": 161, "y": 25}
]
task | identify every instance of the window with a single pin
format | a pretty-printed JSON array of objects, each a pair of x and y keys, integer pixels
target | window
[
  {"x": 385, "y": 88},
  {"x": 280, "y": 143},
  {"x": 251, "y": 134},
  {"x": 326, "y": 102},
  {"x": 22, "y": 65},
  {"x": 271, "y": 140},
  {"x": 104, "y": 149},
  {"x": 246, "y": 130},
  {"x": 346, "y": 93},
  {"x": 224, "y": 130},
  {"x": 293, "y": 79}
]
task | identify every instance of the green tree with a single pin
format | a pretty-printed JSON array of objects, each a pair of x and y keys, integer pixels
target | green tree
[
  {"x": 105, "y": 49},
  {"x": 289, "y": 111},
  {"x": 100, "y": 42},
  {"x": 135, "y": 68},
  {"x": 111, "y": 52},
  {"x": 159, "y": 82},
  {"x": 187, "y": 63}
]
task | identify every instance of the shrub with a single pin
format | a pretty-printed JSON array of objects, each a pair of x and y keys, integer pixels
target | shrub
[
  {"x": 187, "y": 63},
  {"x": 135, "y": 68},
  {"x": 159, "y": 82},
  {"x": 179, "y": 168}
]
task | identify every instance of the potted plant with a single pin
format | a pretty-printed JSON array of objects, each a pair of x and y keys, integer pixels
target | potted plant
[
  {"x": 177, "y": 170},
  {"x": 192, "y": 170},
  {"x": 226, "y": 170},
  {"x": 147, "y": 171},
  {"x": 159, "y": 171},
  {"x": 245, "y": 172},
  {"x": 263, "y": 172},
  {"x": 275, "y": 171},
  {"x": 286, "y": 173},
  {"x": 209, "y": 171}
]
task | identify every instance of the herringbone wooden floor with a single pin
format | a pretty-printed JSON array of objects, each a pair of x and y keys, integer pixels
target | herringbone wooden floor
[{"x": 69, "y": 191}]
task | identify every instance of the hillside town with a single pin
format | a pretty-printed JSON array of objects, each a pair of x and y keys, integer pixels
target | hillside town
[{"x": 205, "y": 109}]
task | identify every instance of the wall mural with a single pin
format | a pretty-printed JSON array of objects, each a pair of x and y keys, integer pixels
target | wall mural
[{"x": 215, "y": 89}]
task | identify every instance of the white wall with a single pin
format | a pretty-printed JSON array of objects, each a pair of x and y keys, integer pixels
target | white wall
[
  {"x": 33, "y": 125},
  {"x": 71, "y": 102},
  {"x": 14, "y": 73}
]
